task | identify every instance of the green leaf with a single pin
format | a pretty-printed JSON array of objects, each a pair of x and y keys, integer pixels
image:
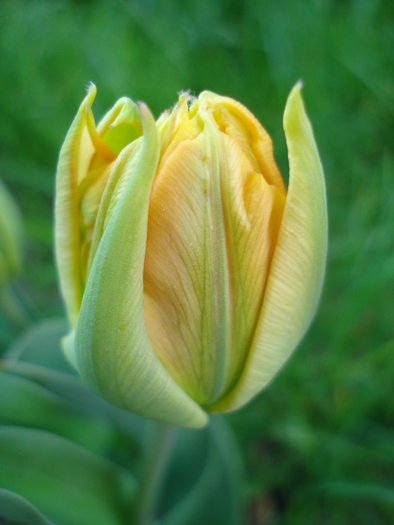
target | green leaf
[
  {"x": 64, "y": 481},
  {"x": 203, "y": 484},
  {"x": 27, "y": 404},
  {"x": 346, "y": 490},
  {"x": 40, "y": 345},
  {"x": 75, "y": 390},
  {"x": 15, "y": 510}
]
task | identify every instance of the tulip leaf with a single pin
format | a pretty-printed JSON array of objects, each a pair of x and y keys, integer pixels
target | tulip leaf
[
  {"x": 298, "y": 265},
  {"x": 204, "y": 479},
  {"x": 37, "y": 357},
  {"x": 40, "y": 345},
  {"x": 25, "y": 403},
  {"x": 77, "y": 392},
  {"x": 15, "y": 510},
  {"x": 64, "y": 481}
]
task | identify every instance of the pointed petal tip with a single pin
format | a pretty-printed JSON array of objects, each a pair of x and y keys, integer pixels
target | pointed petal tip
[
  {"x": 296, "y": 89},
  {"x": 142, "y": 106},
  {"x": 144, "y": 111},
  {"x": 91, "y": 92},
  {"x": 150, "y": 130},
  {"x": 299, "y": 84},
  {"x": 295, "y": 112},
  {"x": 91, "y": 86}
]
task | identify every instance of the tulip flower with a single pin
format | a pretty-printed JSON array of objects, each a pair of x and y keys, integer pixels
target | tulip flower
[{"x": 189, "y": 273}]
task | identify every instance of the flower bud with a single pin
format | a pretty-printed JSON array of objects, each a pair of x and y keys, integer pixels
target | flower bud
[
  {"x": 188, "y": 272},
  {"x": 11, "y": 236}
]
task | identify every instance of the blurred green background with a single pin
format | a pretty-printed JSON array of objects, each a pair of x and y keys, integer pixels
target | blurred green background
[{"x": 319, "y": 443}]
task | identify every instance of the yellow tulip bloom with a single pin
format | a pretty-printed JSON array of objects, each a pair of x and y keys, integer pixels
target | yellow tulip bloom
[{"x": 188, "y": 272}]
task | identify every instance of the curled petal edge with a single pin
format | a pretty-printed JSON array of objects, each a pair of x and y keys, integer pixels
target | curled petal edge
[{"x": 67, "y": 214}]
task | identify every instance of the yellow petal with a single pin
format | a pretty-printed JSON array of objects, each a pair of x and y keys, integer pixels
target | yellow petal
[
  {"x": 72, "y": 161},
  {"x": 119, "y": 127},
  {"x": 116, "y": 183},
  {"x": 177, "y": 126},
  {"x": 252, "y": 214},
  {"x": 111, "y": 347},
  {"x": 238, "y": 122},
  {"x": 213, "y": 226},
  {"x": 298, "y": 266},
  {"x": 185, "y": 277},
  {"x": 85, "y": 163}
]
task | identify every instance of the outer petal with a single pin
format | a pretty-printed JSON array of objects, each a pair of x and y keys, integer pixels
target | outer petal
[
  {"x": 298, "y": 266},
  {"x": 111, "y": 348},
  {"x": 67, "y": 214},
  {"x": 85, "y": 162}
]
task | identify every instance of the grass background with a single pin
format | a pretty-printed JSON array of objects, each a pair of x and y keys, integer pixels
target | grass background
[{"x": 319, "y": 443}]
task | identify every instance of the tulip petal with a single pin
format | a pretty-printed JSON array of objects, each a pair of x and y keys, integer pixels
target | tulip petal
[
  {"x": 67, "y": 213},
  {"x": 186, "y": 279},
  {"x": 85, "y": 162},
  {"x": 239, "y": 123},
  {"x": 112, "y": 348},
  {"x": 113, "y": 191},
  {"x": 298, "y": 265},
  {"x": 253, "y": 212}
]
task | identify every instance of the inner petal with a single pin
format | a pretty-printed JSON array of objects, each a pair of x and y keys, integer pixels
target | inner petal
[
  {"x": 252, "y": 215},
  {"x": 179, "y": 274}
]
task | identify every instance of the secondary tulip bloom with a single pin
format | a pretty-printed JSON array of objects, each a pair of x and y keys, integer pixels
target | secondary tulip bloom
[{"x": 188, "y": 272}]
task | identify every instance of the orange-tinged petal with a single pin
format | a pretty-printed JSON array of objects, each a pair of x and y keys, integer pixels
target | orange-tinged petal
[
  {"x": 185, "y": 280},
  {"x": 213, "y": 226},
  {"x": 239, "y": 123},
  {"x": 252, "y": 213}
]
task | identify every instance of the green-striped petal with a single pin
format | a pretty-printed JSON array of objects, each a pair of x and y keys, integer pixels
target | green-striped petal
[{"x": 112, "y": 349}]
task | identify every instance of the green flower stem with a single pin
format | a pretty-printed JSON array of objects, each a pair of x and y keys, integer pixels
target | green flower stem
[{"x": 153, "y": 470}]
